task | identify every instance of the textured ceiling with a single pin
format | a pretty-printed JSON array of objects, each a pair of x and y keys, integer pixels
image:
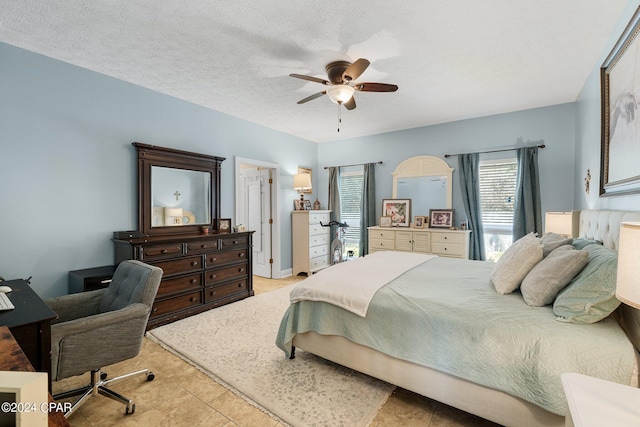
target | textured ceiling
[{"x": 452, "y": 60}]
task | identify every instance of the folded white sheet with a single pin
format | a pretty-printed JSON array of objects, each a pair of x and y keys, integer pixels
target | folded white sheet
[{"x": 351, "y": 285}]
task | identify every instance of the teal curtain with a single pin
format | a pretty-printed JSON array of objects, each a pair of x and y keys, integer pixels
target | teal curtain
[
  {"x": 527, "y": 212},
  {"x": 368, "y": 206},
  {"x": 468, "y": 165},
  {"x": 334, "y": 197}
]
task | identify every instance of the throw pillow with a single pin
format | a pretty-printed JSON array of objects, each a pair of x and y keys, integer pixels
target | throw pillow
[
  {"x": 515, "y": 263},
  {"x": 552, "y": 274},
  {"x": 552, "y": 241},
  {"x": 591, "y": 295},
  {"x": 581, "y": 242}
]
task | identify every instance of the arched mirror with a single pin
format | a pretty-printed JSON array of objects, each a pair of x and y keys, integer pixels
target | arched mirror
[{"x": 426, "y": 180}]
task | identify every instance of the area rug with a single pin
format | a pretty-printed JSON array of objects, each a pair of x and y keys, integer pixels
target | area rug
[{"x": 235, "y": 345}]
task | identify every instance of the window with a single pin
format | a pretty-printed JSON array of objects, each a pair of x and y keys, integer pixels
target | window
[
  {"x": 497, "y": 196},
  {"x": 351, "y": 182}
]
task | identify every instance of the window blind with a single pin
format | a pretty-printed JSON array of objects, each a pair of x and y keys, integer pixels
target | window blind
[{"x": 497, "y": 192}]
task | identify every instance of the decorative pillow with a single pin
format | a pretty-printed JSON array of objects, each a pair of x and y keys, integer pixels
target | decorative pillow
[
  {"x": 552, "y": 241},
  {"x": 591, "y": 295},
  {"x": 552, "y": 274},
  {"x": 581, "y": 242},
  {"x": 515, "y": 263}
]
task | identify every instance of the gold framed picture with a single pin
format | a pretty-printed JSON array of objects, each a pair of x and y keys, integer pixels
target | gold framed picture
[{"x": 418, "y": 221}]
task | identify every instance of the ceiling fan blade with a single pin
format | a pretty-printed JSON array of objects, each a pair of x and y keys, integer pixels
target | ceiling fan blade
[
  {"x": 354, "y": 70},
  {"x": 375, "y": 87},
  {"x": 311, "y": 79},
  {"x": 312, "y": 97},
  {"x": 350, "y": 104}
]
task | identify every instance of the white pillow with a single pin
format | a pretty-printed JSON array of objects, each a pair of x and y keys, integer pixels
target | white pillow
[
  {"x": 552, "y": 274},
  {"x": 515, "y": 263}
]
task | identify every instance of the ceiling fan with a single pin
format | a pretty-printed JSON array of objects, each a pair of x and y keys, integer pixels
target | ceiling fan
[{"x": 341, "y": 83}]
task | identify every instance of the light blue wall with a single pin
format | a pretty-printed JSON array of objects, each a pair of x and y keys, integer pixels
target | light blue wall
[
  {"x": 588, "y": 135},
  {"x": 67, "y": 167},
  {"x": 554, "y": 126}
]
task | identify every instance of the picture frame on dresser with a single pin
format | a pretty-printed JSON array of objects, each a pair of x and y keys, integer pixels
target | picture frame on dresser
[
  {"x": 620, "y": 144},
  {"x": 223, "y": 225},
  {"x": 399, "y": 210},
  {"x": 441, "y": 218},
  {"x": 418, "y": 221},
  {"x": 385, "y": 221}
]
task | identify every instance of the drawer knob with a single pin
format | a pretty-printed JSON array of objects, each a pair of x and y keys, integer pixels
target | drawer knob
[
  {"x": 445, "y": 237},
  {"x": 241, "y": 269},
  {"x": 239, "y": 285},
  {"x": 212, "y": 293},
  {"x": 445, "y": 248},
  {"x": 241, "y": 254},
  {"x": 235, "y": 242},
  {"x": 203, "y": 246},
  {"x": 155, "y": 309},
  {"x": 214, "y": 259},
  {"x": 194, "y": 281},
  {"x": 194, "y": 263},
  {"x": 164, "y": 251},
  {"x": 212, "y": 276},
  {"x": 193, "y": 299}
]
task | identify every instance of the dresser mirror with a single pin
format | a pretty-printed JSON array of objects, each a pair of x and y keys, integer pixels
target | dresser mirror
[
  {"x": 426, "y": 180},
  {"x": 179, "y": 191}
]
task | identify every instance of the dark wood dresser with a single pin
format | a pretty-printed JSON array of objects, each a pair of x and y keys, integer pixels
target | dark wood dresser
[{"x": 201, "y": 272}]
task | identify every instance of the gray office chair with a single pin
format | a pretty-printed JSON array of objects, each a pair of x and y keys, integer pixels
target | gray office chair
[{"x": 99, "y": 328}]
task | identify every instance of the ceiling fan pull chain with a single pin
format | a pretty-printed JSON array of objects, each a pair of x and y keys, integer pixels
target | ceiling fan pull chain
[{"x": 339, "y": 116}]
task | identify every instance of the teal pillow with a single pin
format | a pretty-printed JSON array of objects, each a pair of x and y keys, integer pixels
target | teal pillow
[
  {"x": 581, "y": 242},
  {"x": 591, "y": 295}
]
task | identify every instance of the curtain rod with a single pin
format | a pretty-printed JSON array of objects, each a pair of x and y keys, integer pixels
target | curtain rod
[
  {"x": 357, "y": 164},
  {"x": 494, "y": 151}
]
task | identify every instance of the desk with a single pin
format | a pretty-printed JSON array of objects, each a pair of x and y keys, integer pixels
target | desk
[
  {"x": 30, "y": 324},
  {"x": 14, "y": 359}
]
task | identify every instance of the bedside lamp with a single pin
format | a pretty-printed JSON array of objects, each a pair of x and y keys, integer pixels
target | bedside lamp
[
  {"x": 628, "y": 279},
  {"x": 563, "y": 223},
  {"x": 301, "y": 182},
  {"x": 173, "y": 216}
]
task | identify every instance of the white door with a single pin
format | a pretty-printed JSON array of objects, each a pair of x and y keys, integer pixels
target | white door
[{"x": 255, "y": 215}]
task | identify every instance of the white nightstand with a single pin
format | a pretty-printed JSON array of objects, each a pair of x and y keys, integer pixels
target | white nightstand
[{"x": 595, "y": 402}]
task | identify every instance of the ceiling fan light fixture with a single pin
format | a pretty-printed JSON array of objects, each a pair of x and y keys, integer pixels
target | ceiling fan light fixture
[{"x": 340, "y": 93}]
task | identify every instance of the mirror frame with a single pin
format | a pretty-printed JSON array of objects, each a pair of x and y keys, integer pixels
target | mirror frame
[
  {"x": 151, "y": 155},
  {"x": 419, "y": 166}
]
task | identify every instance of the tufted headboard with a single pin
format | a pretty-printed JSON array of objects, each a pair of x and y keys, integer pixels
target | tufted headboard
[{"x": 604, "y": 226}]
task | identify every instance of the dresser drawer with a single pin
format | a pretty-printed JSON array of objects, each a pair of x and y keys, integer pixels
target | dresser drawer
[
  {"x": 317, "y": 229},
  {"x": 153, "y": 252},
  {"x": 219, "y": 258},
  {"x": 182, "y": 265},
  {"x": 212, "y": 277},
  {"x": 316, "y": 218},
  {"x": 382, "y": 234},
  {"x": 234, "y": 241},
  {"x": 176, "y": 303},
  {"x": 222, "y": 291},
  {"x": 447, "y": 249},
  {"x": 170, "y": 286},
  {"x": 382, "y": 244},
  {"x": 315, "y": 251},
  {"x": 202, "y": 246},
  {"x": 448, "y": 238},
  {"x": 317, "y": 263},
  {"x": 319, "y": 239}
]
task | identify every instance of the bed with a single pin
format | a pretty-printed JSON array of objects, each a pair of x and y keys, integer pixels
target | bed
[{"x": 522, "y": 390}]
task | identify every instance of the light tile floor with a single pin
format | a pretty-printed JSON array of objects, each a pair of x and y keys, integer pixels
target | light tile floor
[{"x": 181, "y": 395}]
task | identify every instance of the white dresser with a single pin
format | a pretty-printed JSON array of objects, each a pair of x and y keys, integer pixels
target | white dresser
[
  {"x": 443, "y": 242},
  {"x": 311, "y": 241}
]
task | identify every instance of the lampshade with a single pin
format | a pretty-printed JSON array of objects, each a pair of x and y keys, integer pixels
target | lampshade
[
  {"x": 340, "y": 93},
  {"x": 173, "y": 212},
  {"x": 302, "y": 181},
  {"x": 563, "y": 223},
  {"x": 628, "y": 279}
]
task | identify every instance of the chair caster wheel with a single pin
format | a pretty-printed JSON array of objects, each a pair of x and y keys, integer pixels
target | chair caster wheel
[
  {"x": 103, "y": 376},
  {"x": 150, "y": 376},
  {"x": 131, "y": 408}
]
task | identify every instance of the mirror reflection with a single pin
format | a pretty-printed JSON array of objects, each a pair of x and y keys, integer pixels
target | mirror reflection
[
  {"x": 180, "y": 197},
  {"x": 425, "y": 192}
]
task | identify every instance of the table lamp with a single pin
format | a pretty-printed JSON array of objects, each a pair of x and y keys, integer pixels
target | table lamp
[
  {"x": 628, "y": 279},
  {"x": 563, "y": 223},
  {"x": 301, "y": 183}
]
